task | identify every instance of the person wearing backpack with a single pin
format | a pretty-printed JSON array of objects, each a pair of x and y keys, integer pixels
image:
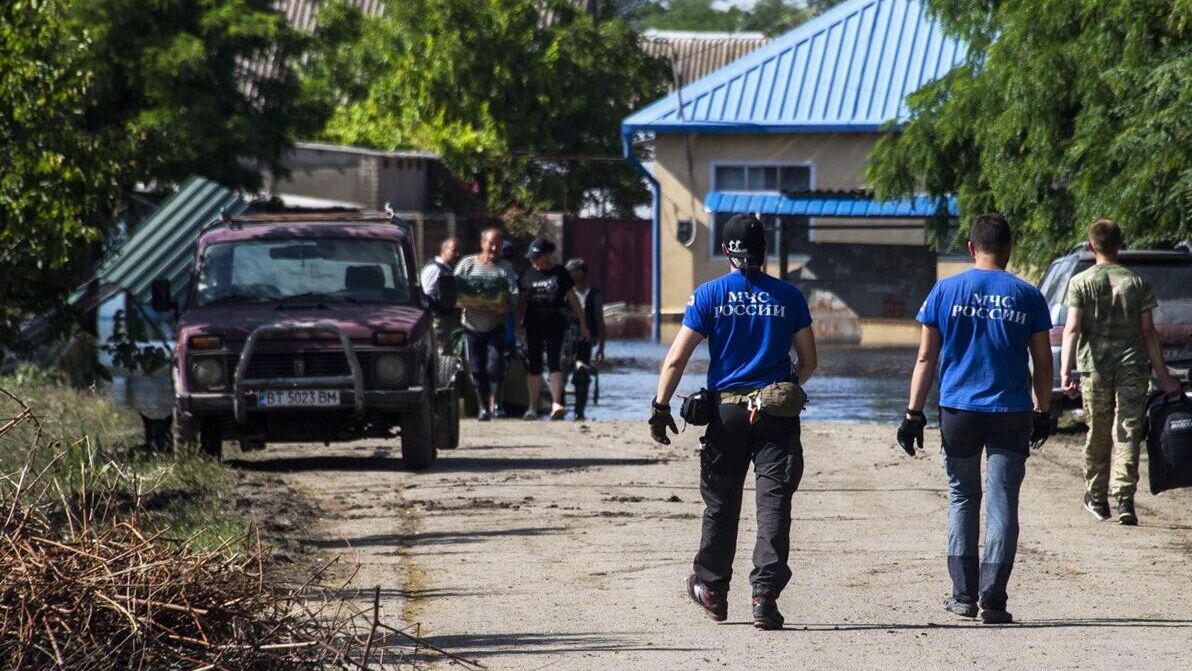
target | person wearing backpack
[{"x": 1110, "y": 336}]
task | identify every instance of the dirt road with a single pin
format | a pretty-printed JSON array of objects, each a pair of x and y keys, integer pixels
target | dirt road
[{"x": 563, "y": 546}]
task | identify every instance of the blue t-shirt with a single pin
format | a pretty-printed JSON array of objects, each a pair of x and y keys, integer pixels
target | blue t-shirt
[
  {"x": 748, "y": 321},
  {"x": 985, "y": 319}
]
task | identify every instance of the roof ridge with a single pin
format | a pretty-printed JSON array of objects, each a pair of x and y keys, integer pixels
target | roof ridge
[{"x": 849, "y": 68}]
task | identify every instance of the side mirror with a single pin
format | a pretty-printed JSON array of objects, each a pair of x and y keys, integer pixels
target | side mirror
[{"x": 162, "y": 300}]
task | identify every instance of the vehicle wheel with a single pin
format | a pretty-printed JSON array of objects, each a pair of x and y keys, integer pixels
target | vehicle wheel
[
  {"x": 159, "y": 434},
  {"x": 447, "y": 402},
  {"x": 182, "y": 430},
  {"x": 211, "y": 440},
  {"x": 419, "y": 446},
  {"x": 447, "y": 419}
]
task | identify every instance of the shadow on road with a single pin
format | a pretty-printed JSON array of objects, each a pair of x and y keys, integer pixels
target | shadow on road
[
  {"x": 973, "y": 624},
  {"x": 484, "y": 645},
  {"x": 428, "y": 538},
  {"x": 445, "y": 464}
]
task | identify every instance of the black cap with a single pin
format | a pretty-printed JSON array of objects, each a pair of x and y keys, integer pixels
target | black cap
[
  {"x": 577, "y": 264},
  {"x": 507, "y": 250},
  {"x": 745, "y": 238},
  {"x": 539, "y": 247}
]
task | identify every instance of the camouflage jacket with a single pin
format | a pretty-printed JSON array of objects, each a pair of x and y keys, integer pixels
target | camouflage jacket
[{"x": 1111, "y": 300}]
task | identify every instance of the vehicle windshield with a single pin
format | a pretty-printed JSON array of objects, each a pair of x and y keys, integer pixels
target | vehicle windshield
[
  {"x": 326, "y": 269},
  {"x": 1171, "y": 281}
]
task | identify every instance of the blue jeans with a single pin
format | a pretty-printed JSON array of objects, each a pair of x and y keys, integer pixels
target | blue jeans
[{"x": 1005, "y": 438}]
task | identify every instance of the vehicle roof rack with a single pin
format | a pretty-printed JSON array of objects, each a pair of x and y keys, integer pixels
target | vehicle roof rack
[{"x": 264, "y": 219}]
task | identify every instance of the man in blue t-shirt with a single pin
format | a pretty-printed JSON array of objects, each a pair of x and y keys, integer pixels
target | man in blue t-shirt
[
  {"x": 979, "y": 326},
  {"x": 750, "y": 320}
]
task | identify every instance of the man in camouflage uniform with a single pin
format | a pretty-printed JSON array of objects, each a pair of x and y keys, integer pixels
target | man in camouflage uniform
[{"x": 1111, "y": 334}]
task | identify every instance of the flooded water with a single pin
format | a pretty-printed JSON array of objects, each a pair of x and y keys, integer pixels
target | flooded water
[{"x": 851, "y": 385}]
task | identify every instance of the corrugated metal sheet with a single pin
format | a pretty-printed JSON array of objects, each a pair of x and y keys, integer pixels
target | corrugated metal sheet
[
  {"x": 694, "y": 55},
  {"x": 823, "y": 206},
  {"x": 849, "y": 69},
  {"x": 164, "y": 244},
  {"x": 303, "y": 15}
]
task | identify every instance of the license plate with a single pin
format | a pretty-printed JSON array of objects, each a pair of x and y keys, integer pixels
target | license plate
[{"x": 289, "y": 398}]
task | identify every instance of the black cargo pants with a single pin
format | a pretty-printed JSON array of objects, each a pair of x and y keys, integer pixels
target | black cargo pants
[{"x": 729, "y": 444}]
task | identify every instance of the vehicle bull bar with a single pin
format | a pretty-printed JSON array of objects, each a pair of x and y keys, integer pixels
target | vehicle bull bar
[{"x": 356, "y": 379}]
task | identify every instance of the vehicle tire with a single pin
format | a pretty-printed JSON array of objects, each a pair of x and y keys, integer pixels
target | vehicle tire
[
  {"x": 447, "y": 418},
  {"x": 211, "y": 440},
  {"x": 187, "y": 431},
  {"x": 159, "y": 434},
  {"x": 447, "y": 402},
  {"x": 182, "y": 430},
  {"x": 419, "y": 445}
]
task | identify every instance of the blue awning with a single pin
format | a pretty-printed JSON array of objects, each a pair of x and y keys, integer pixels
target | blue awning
[{"x": 773, "y": 202}]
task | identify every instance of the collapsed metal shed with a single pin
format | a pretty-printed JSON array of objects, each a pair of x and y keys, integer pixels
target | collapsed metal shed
[{"x": 163, "y": 244}]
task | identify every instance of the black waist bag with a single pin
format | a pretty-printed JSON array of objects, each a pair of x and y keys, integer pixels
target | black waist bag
[
  {"x": 699, "y": 409},
  {"x": 1169, "y": 443}
]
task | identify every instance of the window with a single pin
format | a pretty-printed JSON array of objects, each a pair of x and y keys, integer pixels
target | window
[
  {"x": 764, "y": 178},
  {"x": 351, "y": 270}
]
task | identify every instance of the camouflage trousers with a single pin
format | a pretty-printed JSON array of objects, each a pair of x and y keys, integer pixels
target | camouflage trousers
[{"x": 1115, "y": 405}]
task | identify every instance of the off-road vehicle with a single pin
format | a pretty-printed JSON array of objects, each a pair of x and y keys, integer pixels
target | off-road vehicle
[{"x": 313, "y": 329}]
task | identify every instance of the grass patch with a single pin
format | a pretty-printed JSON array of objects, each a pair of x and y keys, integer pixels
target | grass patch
[{"x": 188, "y": 492}]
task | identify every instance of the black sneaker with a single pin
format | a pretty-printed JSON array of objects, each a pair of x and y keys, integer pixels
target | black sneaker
[
  {"x": 765, "y": 613},
  {"x": 996, "y": 617},
  {"x": 484, "y": 416},
  {"x": 1099, "y": 509},
  {"x": 960, "y": 608},
  {"x": 715, "y": 605},
  {"x": 1126, "y": 514},
  {"x": 499, "y": 413}
]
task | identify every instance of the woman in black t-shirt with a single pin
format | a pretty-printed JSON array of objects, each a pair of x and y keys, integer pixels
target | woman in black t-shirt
[{"x": 546, "y": 291}]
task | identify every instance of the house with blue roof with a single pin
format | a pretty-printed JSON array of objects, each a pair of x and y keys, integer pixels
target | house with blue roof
[{"x": 785, "y": 132}]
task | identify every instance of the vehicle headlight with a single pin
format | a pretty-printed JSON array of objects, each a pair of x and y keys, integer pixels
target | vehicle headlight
[
  {"x": 391, "y": 368},
  {"x": 207, "y": 372}
]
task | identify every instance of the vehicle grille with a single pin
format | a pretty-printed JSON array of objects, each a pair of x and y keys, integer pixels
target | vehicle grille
[{"x": 313, "y": 364}]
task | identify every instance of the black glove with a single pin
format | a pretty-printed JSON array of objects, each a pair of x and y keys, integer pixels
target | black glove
[
  {"x": 1041, "y": 428},
  {"x": 660, "y": 419},
  {"x": 911, "y": 430}
]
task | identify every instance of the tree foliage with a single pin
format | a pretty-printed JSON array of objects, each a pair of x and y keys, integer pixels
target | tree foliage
[
  {"x": 519, "y": 95},
  {"x": 772, "y": 17},
  {"x": 58, "y": 185},
  {"x": 100, "y": 96},
  {"x": 207, "y": 87},
  {"x": 1062, "y": 114}
]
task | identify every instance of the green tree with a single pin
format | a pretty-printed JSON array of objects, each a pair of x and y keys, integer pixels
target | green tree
[
  {"x": 520, "y": 104},
  {"x": 59, "y": 183},
  {"x": 198, "y": 86},
  {"x": 1061, "y": 114},
  {"x": 772, "y": 17},
  {"x": 688, "y": 15},
  {"x": 100, "y": 96}
]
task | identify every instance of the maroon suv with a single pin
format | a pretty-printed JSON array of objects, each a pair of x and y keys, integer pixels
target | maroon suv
[{"x": 309, "y": 328}]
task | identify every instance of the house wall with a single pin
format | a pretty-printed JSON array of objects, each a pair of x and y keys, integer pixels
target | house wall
[
  {"x": 368, "y": 178},
  {"x": 684, "y": 166}
]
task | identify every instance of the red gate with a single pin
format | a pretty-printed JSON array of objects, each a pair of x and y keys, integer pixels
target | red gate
[{"x": 617, "y": 252}]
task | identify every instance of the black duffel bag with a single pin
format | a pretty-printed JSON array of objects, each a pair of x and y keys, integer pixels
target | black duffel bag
[{"x": 1169, "y": 442}]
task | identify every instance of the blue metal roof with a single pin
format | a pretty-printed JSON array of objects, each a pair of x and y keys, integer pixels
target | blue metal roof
[
  {"x": 849, "y": 69},
  {"x": 824, "y": 206}
]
